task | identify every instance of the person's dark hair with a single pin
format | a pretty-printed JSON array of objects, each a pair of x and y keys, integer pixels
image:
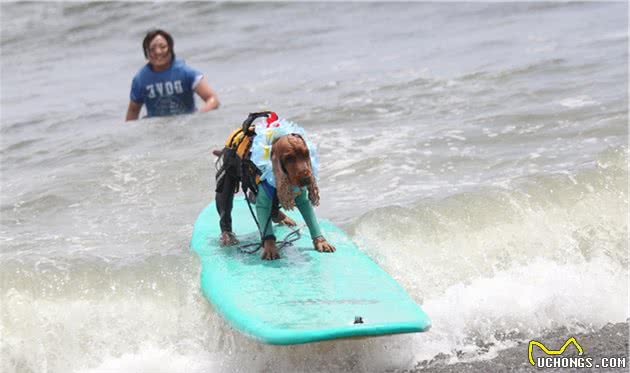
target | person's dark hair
[{"x": 151, "y": 35}]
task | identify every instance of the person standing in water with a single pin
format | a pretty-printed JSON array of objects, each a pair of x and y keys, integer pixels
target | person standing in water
[{"x": 166, "y": 84}]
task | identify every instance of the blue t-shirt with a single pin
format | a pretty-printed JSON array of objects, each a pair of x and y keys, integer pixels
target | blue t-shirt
[{"x": 168, "y": 92}]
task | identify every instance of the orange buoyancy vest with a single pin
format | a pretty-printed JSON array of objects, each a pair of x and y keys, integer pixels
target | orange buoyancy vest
[{"x": 240, "y": 142}]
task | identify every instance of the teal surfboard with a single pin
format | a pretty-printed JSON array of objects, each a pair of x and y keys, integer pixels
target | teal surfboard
[{"x": 305, "y": 296}]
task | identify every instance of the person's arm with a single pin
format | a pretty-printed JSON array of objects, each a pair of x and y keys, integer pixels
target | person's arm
[
  {"x": 133, "y": 111},
  {"x": 208, "y": 96}
]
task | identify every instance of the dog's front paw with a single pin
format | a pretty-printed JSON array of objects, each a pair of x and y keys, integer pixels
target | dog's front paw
[
  {"x": 228, "y": 239},
  {"x": 322, "y": 245},
  {"x": 270, "y": 252},
  {"x": 270, "y": 255}
]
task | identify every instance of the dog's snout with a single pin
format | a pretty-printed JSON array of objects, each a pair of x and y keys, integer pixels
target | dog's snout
[{"x": 305, "y": 180}]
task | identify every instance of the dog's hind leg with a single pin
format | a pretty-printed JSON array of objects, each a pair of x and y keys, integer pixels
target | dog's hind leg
[
  {"x": 282, "y": 218},
  {"x": 224, "y": 201},
  {"x": 278, "y": 216}
]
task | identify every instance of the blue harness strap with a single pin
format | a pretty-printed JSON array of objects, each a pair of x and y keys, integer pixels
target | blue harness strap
[{"x": 269, "y": 189}]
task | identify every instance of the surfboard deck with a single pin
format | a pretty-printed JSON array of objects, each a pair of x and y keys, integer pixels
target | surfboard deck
[{"x": 305, "y": 296}]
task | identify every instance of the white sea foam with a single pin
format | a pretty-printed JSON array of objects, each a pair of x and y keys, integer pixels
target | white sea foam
[
  {"x": 578, "y": 101},
  {"x": 153, "y": 359},
  {"x": 523, "y": 303}
]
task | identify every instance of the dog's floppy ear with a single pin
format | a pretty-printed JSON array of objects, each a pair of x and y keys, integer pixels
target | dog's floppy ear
[
  {"x": 286, "y": 197},
  {"x": 276, "y": 164},
  {"x": 313, "y": 192},
  {"x": 283, "y": 187}
]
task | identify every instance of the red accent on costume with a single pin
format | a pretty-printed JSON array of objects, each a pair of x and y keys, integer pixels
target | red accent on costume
[{"x": 272, "y": 118}]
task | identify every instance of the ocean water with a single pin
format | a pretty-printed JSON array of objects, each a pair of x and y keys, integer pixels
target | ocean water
[{"x": 477, "y": 151}]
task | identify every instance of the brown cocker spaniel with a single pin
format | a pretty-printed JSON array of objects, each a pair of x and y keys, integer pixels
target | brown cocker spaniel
[{"x": 292, "y": 168}]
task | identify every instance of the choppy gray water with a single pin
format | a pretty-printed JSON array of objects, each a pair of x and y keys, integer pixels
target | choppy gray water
[{"x": 478, "y": 152}]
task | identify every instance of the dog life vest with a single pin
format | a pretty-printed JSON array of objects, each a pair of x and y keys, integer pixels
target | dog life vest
[
  {"x": 235, "y": 161},
  {"x": 239, "y": 142},
  {"x": 242, "y": 142}
]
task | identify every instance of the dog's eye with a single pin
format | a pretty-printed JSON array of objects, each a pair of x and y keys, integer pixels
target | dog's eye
[{"x": 289, "y": 158}]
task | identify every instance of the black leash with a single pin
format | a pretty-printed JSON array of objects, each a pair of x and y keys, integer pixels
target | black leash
[{"x": 243, "y": 248}]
